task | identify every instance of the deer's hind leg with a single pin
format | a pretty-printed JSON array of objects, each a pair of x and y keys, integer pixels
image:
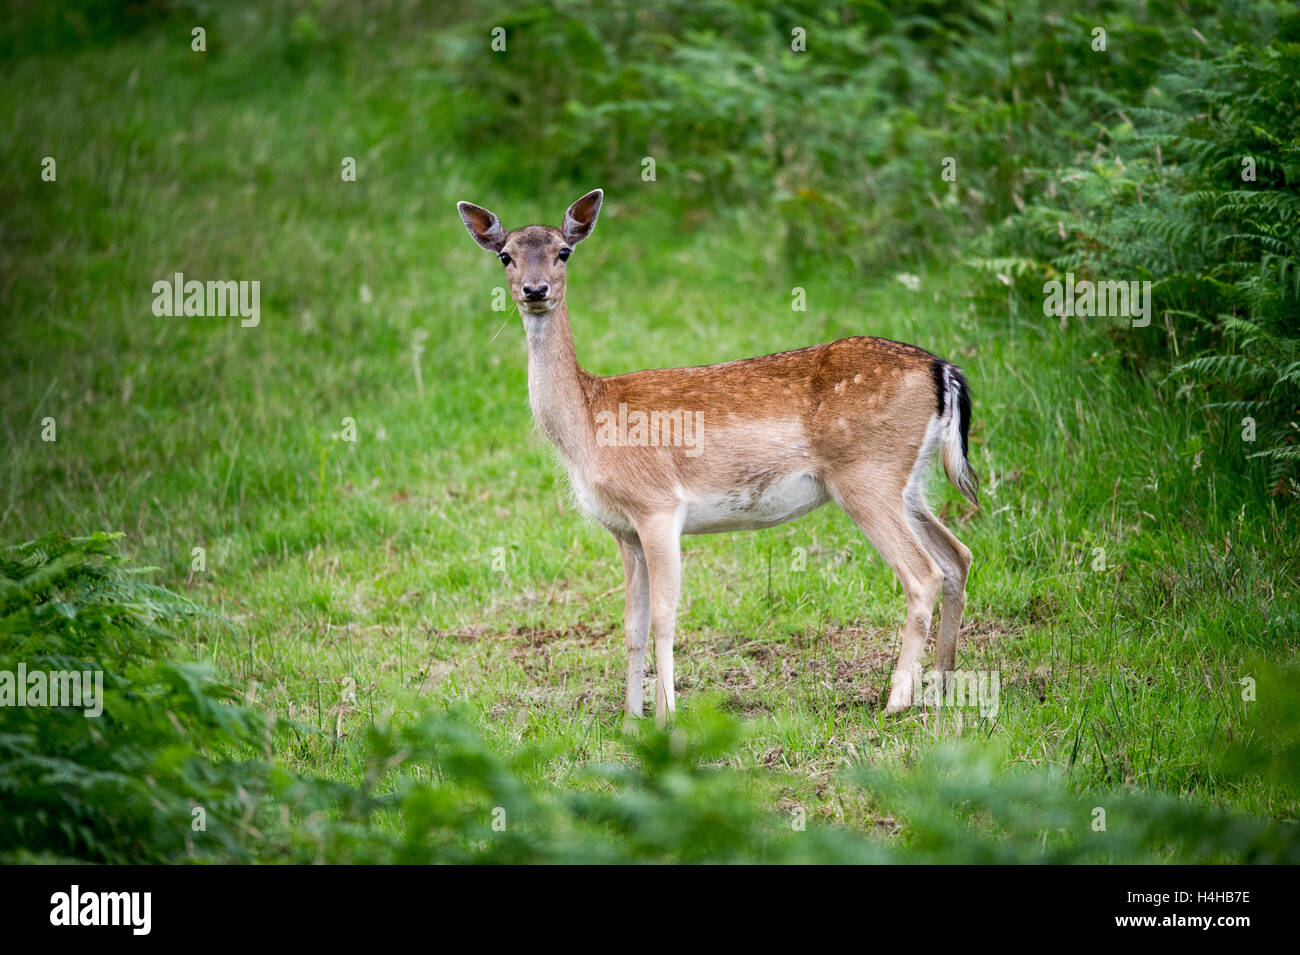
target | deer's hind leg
[
  {"x": 881, "y": 516},
  {"x": 954, "y": 559}
]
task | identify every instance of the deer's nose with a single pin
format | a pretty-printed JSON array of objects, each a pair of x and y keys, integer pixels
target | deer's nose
[{"x": 535, "y": 293}]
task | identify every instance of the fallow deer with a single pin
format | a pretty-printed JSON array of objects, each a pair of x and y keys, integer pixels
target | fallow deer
[{"x": 743, "y": 445}]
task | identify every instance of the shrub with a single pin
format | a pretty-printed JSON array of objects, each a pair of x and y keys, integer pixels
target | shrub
[
  {"x": 122, "y": 786},
  {"x": 1196, "y": 188}
]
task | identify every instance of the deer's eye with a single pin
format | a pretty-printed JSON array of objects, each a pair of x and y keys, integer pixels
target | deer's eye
[
  {"x": 504, "y": 257},
  {"x": 564, "y": 254}
]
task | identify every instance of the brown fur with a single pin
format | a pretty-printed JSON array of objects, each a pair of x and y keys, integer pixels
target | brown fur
[{"x": 846, "y": 421}]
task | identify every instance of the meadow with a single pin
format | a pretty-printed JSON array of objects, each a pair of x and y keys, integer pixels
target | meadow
[{"x": 356, "y": 488}]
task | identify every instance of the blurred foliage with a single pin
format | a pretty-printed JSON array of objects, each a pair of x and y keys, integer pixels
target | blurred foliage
[
  {"x": 959, "y": 803},
  {"x": 842, "y": 142},
  {"x": 1196, "y": 188},
  {"x": 123, "y": 787},
  {"x": 830, "y": 127}
]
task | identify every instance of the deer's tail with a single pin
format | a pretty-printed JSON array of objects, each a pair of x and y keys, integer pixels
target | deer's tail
[{"x": 954, "y": 413}]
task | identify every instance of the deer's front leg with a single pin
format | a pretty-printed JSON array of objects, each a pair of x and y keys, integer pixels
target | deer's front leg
[
  {"x": 661, "y": 543},
  {"x": 636, "y": 620}
]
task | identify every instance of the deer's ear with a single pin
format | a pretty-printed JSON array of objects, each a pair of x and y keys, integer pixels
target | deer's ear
[
  {"x": 483, "y": 226},
  {"x": 580, "y": 218}
]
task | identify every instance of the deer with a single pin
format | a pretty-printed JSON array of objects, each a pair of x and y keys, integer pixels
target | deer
[{"x": 653, "y": 455}]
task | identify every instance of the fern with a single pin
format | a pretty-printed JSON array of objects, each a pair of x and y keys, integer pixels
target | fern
[{"x": 1174, "y": 201}]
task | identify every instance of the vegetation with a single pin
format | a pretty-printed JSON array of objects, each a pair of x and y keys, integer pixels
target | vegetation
[
  {"x": 173, "y": 772},
  {"x": 413, "y": 630},
  {"x": 1200, "y": 194}
]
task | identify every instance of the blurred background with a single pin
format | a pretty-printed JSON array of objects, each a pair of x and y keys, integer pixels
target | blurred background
[{"x": 372, "y": 606}]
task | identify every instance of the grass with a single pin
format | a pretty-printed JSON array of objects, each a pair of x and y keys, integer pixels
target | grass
[{"x": 436, "y": 561}]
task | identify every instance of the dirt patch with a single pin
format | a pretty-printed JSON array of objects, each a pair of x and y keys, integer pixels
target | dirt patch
[
  {"x": 850, "y": 662},
  {"x": 579, "y": 634}
]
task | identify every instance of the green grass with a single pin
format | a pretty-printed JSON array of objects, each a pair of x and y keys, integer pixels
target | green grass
[{"x": 360, "y": 577}]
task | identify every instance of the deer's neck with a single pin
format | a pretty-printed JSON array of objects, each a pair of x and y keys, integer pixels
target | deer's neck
[{"x": 556, "y": 384}]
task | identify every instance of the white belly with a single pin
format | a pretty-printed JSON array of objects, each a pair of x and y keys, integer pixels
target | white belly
[{"x": 747, "y": 508}]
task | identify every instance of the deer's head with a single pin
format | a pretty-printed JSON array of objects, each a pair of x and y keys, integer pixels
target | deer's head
[{"x": 535, "y": 256}]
